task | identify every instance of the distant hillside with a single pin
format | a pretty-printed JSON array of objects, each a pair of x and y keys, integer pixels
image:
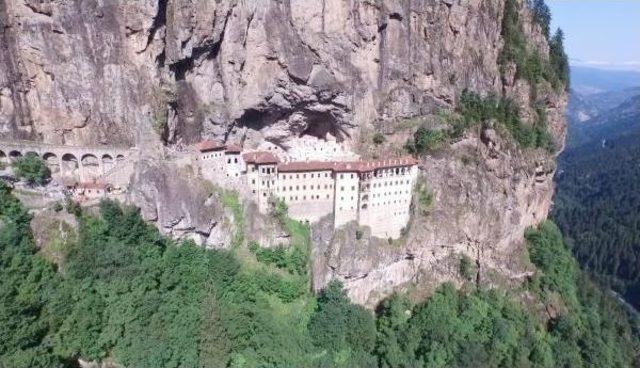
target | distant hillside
[
  {"x": 590, "y": 80},
  {"x": 606, "y": 124},
  {"x": 597, "y": 207}
]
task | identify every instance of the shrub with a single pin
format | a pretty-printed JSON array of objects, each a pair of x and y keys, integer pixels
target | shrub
[
  {"x": 425, "y": 197},
  {"x": 424, "y": 140},
  {"x": 32, "y": 169},
  {"x": 73, "y": 207},
  {"x": 378, "y": 138},
  {"x": 57, "y": 207},
  {"x": 466, "y": 268}
]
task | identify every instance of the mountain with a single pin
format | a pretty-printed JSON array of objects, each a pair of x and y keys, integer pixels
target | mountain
[
  {"x": 622, "y": 117},
  {"x": 597, "y": 206},
  {"x": 160, "y": 77},
  {"x": 588, "y": 81},
  {"x": 475, "y": 91}
]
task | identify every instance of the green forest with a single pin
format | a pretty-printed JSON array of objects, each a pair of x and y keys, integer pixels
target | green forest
[
  {"x": 597, "y": 206},
  {"x": 122, "y": 292}
]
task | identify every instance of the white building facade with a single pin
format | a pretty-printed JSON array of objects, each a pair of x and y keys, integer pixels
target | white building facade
[{"x": 376, "y": 194}]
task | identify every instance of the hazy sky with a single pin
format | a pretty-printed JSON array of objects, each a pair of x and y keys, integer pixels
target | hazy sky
[{"x": 600, "y": 33}]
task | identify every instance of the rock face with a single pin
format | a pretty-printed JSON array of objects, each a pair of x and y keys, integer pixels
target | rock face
[
  {"x": 104, "y": 71},
  {"x": 178, "y": 204},
  {"x": 120, "y": 71}
]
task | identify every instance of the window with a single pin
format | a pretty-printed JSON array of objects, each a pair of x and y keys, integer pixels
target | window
[
  {"x": 311, "y": 176},
  {"x": 312, "y": 187},
  {"x": 327, "y": 196},
  {"x": 290, "y": 188},
  {"x": 297, "y": 176},
  {"x": 284, "y": 189},
  {"x": 341, "y": 188},
  {"x": 304, "y": 187},
  {"x": 228, "y": 160},
  {"x": 353, "y": 187},
  {"x": 341, "y": 176},
  {"x": 297, "y": 187},
  {"x": 304, "y": 198},
  {"x": 253, "y": 181},
  {"x": 304, "y": 176},
  {"x": 235, "y": 160}
]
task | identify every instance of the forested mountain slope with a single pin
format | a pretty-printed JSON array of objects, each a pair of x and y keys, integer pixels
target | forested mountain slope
[
  {"x": 122, "y": 293},
  {"x": 597, "y": 206}
]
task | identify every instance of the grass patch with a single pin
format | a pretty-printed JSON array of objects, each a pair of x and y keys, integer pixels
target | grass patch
[
  {"x": 231, "y": 200},
  {"x": 424, "y": 197}
]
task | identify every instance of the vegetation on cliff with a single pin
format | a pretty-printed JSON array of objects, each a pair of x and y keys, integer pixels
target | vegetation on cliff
[
  {"x": 530, "y": 65},
  {"x": 126, "y": 293},
  {"x": 32, "y": 169},
  {"x": 491, "y": 111}
]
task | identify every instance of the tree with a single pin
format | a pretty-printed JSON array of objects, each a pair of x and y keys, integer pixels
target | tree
[
  {"x": 558, "y": 58},
  {"x": 541, "y": 14},
  {"x": 32, "y": 169},
  {"x": 378, "y": 138}
]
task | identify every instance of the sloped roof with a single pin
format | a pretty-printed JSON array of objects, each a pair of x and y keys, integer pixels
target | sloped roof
[
  {"x": 233, "y": 148},
  {"x": 209, "y": 145},
  {"x": 260, "y": 157}
]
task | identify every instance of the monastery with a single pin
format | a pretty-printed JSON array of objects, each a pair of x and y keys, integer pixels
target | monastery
[{"x": 372, "y": 193}]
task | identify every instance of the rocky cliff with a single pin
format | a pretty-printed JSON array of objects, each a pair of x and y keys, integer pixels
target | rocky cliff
[{"x": 134, "y": 72}]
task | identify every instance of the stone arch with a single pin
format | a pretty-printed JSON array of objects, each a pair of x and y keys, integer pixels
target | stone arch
[
  {"x": 13, "y": 155},
  {"x": 32, "y": 153},
  {"x": 90, "y": 165},
  {"x": 69, "y": 165},
  {"x": 3, "y": 156},
  {"x": 51, "y": 159},
  {"x": 107, "y": 162},
  {"x": 120, "y": 157}
]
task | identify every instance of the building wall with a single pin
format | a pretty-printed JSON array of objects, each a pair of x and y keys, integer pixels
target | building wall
[
  {"x": 346, "y": 197},
  {"x": 387, "y": 201},
  {"x": 212, "y": 165},
  {"x": 262, "y": 181},
  {"x": 380, "y": 199},
  {"x": 308, "y": 195},
  {"x": 234, "y": 166}
]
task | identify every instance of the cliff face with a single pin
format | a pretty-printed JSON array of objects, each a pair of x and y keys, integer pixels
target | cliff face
[{"x": 88, "y": 71}]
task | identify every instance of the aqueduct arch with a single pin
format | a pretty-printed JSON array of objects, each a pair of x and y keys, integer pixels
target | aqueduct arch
[
  {"x": 107, "y": 162},
  {"x": 15, "y": 154},
  {"x": 52, "y": 162},
  {"x": 80, "y": 163},
  {"x": 69, "y": 165}
]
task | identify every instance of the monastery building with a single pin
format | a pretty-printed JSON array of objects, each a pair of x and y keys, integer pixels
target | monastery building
[{"x": 372, "y": 193}]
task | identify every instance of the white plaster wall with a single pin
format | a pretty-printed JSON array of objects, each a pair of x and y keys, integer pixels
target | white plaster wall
[
  {"x": 309, "y": 195},
  {"x": 346, "y": 194},
  {"x": 389, "y": 201}
]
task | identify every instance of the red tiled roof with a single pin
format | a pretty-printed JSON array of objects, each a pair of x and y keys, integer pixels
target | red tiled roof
[
  {"x": 306, "y": 166},
  {"x": 260, "y": 157},
  {"x": 208, "y": 145},
  {"x": 233, "y": 148},
  {"x": 346, "y": 166}
]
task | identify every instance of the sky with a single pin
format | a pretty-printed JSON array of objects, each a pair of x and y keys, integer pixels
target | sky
[{"x": 599, "y": 33}]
